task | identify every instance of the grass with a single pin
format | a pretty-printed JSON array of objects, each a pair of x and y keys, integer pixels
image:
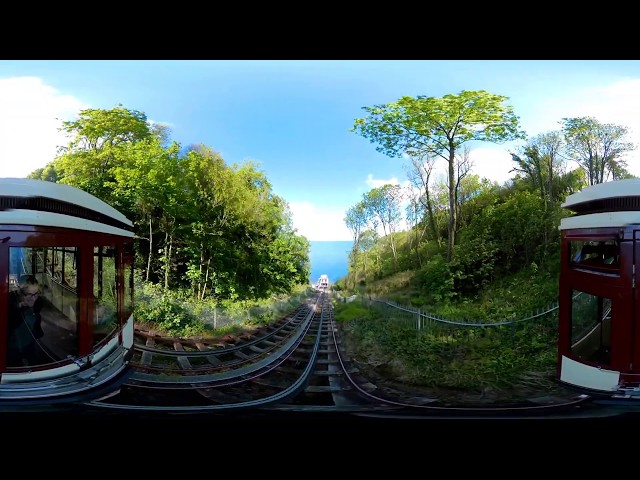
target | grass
[
  {"x": 473, "y": 360},
  {"x": 176, "y": 314}
]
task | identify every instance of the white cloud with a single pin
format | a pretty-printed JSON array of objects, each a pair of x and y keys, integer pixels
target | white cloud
[
  {"x": 614, "y": 103},
  {"x": 617, "y": 103},
  {"x": 30, "y": 115},
  {"x": 319, "y": 224},
  {"x": 493, "y": 163},
  {"x": 376, "y": 183}
]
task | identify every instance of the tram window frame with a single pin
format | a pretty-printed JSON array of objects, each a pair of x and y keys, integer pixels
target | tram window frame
[
  {"x": 596, "y": 256},
  {"x": 105, "y": 292},
  {"x": 128, "y": 259},
  {"x": 59, "y": 259}
]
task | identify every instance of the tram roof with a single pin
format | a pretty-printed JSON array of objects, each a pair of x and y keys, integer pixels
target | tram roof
[
  {"x": 616, "y": 195},
  {"x": 609, "y": 204},
  {"x": 31, "y": 188}
]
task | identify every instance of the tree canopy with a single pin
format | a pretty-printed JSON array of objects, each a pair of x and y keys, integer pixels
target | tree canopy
[
  {"x": 215, "y": 229},
  {"x": 437, "y": 127}
]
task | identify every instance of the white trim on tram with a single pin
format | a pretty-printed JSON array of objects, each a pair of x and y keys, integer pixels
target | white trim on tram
[
  {"x": 28, "y": 187},
  {"x": 629, "y": 187},
  {"x": 600, "y": 220},
  {"x": 47, "y": 219}
]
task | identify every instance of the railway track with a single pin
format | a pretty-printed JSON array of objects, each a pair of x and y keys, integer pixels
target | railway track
[
  {"x": 292, "y": 364},
  {"x": 296, "y": 364}
]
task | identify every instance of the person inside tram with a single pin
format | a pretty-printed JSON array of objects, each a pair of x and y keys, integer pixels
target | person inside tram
[{"x": 25, "y": 325}]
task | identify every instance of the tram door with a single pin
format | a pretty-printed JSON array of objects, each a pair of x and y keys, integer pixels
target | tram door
[{"x": 598, "y": 281}]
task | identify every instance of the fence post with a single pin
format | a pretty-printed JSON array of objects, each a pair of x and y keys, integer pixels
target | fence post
[{"x": 419, "y": 326}]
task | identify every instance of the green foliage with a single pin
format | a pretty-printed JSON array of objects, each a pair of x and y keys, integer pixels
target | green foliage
[
  {"x": 98, "y": 140},
  {"x": 163, "y": 311},
  {"x": 473, "y": 265},
  {"x": 429, "y": 127},
  {"x": 437, "y": 280},
  {"x": 345, "y": 312},
  {"x": 470, "y": 359},
  {"x": 288, "y": 263},
  {"x": 429, "y": 123},
  {"x": 215, "y": 229},
  {"x": 506, "y": 266},
  {"x": 178, "y": 313},
  {"x": 169, "y": 317},
  {"x": 516, "y": 231},
  {"x": 598, "y": 148}
]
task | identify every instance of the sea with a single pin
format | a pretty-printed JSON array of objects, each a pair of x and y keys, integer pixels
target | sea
[{"x": 329, "y": 258}]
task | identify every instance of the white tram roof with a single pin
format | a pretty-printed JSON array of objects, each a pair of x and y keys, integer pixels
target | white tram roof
[
  {"x": 27, "y": 187},
  {"x": 629, "y": 187},
  {"x": 604, "y": 205}
]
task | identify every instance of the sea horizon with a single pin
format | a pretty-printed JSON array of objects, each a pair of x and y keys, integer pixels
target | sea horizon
[{"x": 329, "y": 258}]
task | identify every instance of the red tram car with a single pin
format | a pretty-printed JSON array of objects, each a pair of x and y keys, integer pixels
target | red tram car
[
  {"x": 599, "y": 301},
  {"x": 66, "y": 294}
]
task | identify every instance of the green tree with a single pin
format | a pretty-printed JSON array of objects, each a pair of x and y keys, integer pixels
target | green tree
[
  {"x": 215, "y": 228},
  {"x": 98, "y": 140},
  {"x": 263, "y": 229},
  {"x": 288, "y": 263},
  {"x": 598, "y": 148},
  {"x": 419, "y": 175},
  {"x": 366, "y": 247},
  {"x": 149, "y": 183},
  {"x": 541, "y": 164},
  {"x": 356, "y": 220},
  {"x": 415, "y": 214},
  {"x": 474, "y": 194},
  {"x": 48, "y": 173},
  {"x": 210, "y": 183},
  {"x": 383, "y": 204},
  {"x": 430, "y": 126}
]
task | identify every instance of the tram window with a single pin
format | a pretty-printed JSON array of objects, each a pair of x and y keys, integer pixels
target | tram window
[
  {"x": 61, "y": 262},
  {"x": 57, "y": 306},
  {"x": 105, "y": 318},
  {"x": 19, "y": 266},
  {"x": 599, "y": 254},
  {"x": 70, "y": 268},
  {"x": 591, "y": 327},
  {"x": 22, "y": 265}
]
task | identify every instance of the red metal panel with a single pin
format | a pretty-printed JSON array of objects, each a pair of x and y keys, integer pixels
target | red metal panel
[
  {"x": 85, "y": 294},
  {"x": 615, "y": 286}
]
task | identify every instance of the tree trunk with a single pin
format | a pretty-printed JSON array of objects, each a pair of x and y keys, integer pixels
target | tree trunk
[
  {"x": 150, "y": 248},
  {"x": 167, "y": 256},
  {"x": 452, "y": 205},
  {"x": 206, "y": 278}
]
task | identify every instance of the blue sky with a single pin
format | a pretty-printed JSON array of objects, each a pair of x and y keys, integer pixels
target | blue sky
[{"x": 292, "y": 117}]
